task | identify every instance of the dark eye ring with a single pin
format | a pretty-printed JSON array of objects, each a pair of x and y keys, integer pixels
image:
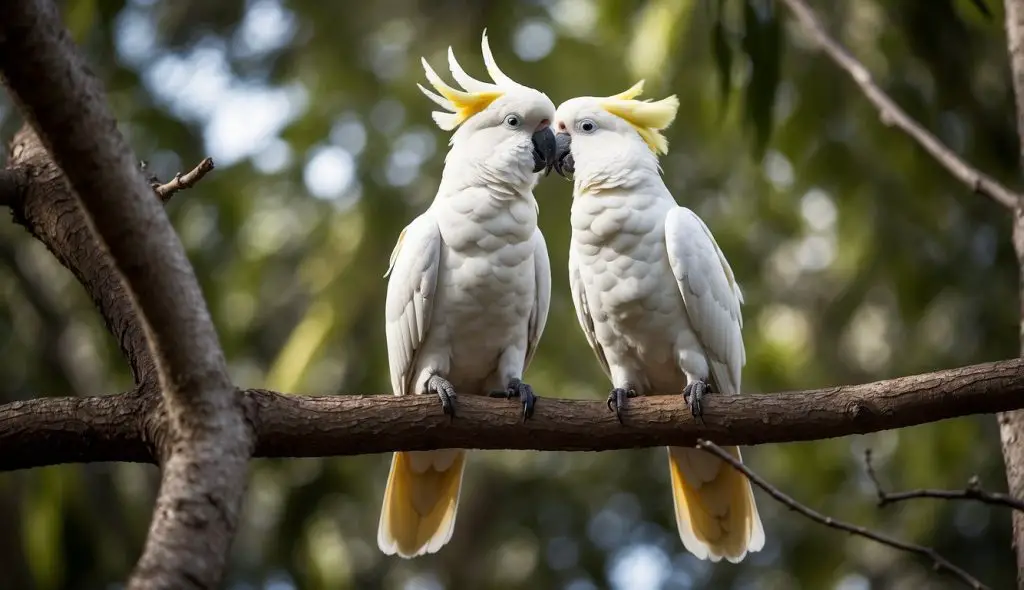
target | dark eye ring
[{"x": 513, "y": 121}]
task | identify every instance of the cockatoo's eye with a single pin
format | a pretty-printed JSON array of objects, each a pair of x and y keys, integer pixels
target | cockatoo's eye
[
  {"x": 513, "y": 121},
  {"x": 587, "y": 126}
]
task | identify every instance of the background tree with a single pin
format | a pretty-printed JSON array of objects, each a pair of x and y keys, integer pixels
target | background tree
[{"x": 861, "y": 259}]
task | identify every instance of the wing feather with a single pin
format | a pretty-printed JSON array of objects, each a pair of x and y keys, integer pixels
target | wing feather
[
  {"x": 579, "y": 299},
  {"x": 710, "y": 293},
  {"x": 410, "y": 299},
  {"x": 542, "y": 295}
]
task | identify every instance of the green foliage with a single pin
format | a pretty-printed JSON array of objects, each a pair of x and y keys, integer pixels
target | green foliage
[{"x": 860, "y": 259}]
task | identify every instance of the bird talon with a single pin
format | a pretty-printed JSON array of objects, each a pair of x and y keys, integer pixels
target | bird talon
[
  {"x": 440, "y": 387},
  {"x": 693, "y": 395},
  {"x": 516, "y": 388},
  {"x": 617, "y": 400}
]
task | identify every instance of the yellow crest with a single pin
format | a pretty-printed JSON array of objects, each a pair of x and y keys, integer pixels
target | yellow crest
[
  {"x": 648, "y": 118},
  {"x": 476, "y": 94}
]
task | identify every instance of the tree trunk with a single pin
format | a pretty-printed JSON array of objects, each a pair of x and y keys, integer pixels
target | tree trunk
[{"x": 1011, "y": 424}]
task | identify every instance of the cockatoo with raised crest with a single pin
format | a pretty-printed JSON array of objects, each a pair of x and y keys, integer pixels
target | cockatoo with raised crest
[
  {"x": 469, "y": 287},
  {"x": 656, "y": 299}
]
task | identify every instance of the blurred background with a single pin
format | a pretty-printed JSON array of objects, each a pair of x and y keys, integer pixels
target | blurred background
[{"x": 861, "y": 259}]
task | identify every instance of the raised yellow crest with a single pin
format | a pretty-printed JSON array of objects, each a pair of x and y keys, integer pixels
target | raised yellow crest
[
  {"x": 476, "y": 94},
  {"x": 648, "y": 118}
]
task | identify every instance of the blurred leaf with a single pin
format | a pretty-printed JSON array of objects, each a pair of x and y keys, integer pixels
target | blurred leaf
[
  {"x": 656, "y": 35},
  {"x": 80, "y": 18},
  {"x": 762, "y": 42},
  {"x": 302, "y": 347},
  {"x": 722, "y": 50},
  {"x": 43, "y": 530},
  {"x": 982, "y": 8}
]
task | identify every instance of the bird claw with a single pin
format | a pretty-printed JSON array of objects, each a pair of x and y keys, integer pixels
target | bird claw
[
  {"x": 443, "y": 389},
  {"x": 516, "y": 388},
  {"x": 617, "y": 400},
  {"x": 694, "y": 394}
]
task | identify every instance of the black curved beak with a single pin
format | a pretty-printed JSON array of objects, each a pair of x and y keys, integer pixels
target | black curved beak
[
  {"x": 564, "y": 163},
  {"x": 543, "y": 150}
]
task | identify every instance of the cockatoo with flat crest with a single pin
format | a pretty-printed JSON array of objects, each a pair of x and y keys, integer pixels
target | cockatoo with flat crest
[
  {"x": 470, "y": 286},
  {"x": 656, "y": 299}
]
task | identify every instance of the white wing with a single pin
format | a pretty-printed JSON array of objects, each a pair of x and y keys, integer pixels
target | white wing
[
  {"x": 542, "y": 295},
  {"x": 410, "y": 300},
  {"x": 710, "y": 293},
  {"x": 579, "y": 300}
]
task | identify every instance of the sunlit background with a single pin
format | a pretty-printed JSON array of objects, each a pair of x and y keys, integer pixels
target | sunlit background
[{"x": 860, "y": 259}]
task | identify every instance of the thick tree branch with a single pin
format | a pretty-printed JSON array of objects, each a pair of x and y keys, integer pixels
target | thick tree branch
[
  {"x": 973, "y": 491},
  {"x": 939, "y": 562},
  {"x": 892, "y": 114},
  {"x": 113, "y": 428},
  {"x": 203, "y": 476},
  {"x": 43, "y": 203}
]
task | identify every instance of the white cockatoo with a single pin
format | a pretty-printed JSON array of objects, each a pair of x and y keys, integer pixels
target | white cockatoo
[
  {"x": 470, "y": 286},
  {"x": 656, "y": 299}
]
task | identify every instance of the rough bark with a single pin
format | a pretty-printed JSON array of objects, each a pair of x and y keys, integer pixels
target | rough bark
[
  {"x": 204, "y": 464},
  {"x": 44, "y": 204},
  {"x": 122, "y": 427},
  {"x": 1011, "y": 424}
]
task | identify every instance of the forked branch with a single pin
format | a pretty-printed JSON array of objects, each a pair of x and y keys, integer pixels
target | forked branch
[
  {"x": 939, "y": 562},
  {"x": 973, "y": 491}
]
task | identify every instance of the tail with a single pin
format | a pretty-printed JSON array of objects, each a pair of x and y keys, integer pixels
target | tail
[
  {"x": 420, "y": 502},
  {"x": 715, "y": 509}
]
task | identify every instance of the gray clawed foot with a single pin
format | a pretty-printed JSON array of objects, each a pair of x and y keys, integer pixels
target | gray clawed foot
[
  {"x": 694, "y": 393},
  {"x": 440, "y": 387},
  {"x": 516, "y": 388},
  {"x": 617, "y": 400}
]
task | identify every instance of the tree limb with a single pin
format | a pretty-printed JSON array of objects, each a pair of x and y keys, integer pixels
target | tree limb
[
  {"x": 204, "y": 474},
  {"x": 892, "y": 114},
  {"x": 939, "y": 562},
  {"x": 973, "y": 491},
  {"x": 44, "y": 204},
  {"x": 183, "y": 181},
  {"x": 122, "y": 427}
]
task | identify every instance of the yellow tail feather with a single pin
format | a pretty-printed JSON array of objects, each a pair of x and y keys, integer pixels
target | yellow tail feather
[
  {"x": 715, "y": 509},
  {"x": 420, "y": 502}
]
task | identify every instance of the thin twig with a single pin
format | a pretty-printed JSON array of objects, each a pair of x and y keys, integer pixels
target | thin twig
[
  {"x": 973, "y": 491},
  {"x": 183, "y": 181},
  {"x": 939, "y": 563},
  {"x": 892, "y": 114}
]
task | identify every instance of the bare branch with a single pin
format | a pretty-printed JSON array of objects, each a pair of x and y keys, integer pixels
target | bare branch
[
  {"x": 323, "y": 426},
  {"x": 973, "y": 491},
  {"x": 892, "y": 114},
  {"x": 181, "y": 182},
  {"x": 203, "y": 476},
  {"x": 939, "y": 562}
]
